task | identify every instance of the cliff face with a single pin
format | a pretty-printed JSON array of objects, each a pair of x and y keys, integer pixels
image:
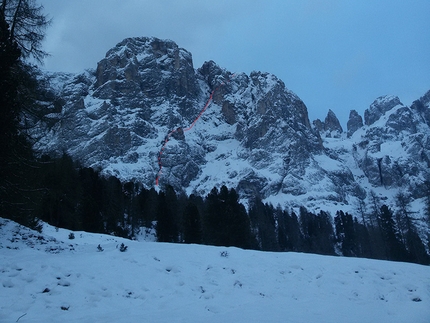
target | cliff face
[
  {"x": 393, "y": 149},
  {"x": 254, "y": 134}
]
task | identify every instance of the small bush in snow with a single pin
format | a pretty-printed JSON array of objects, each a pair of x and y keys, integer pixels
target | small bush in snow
[
  {"x": 71, "y": 236},
  {"x": 99, "y": 248},
  {"x": 122, "y": 247},
  {"x": 224, "y": 254}
]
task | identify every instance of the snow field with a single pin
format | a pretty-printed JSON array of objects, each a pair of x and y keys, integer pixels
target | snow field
[{"x": 50, "y": 278}]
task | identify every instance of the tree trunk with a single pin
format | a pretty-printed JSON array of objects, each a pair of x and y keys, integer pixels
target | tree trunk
[{"x": 15, "y": 17}]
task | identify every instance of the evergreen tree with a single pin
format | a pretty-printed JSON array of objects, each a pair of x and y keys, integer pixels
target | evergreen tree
[
  {"x": 394, "y": 249},
  {"x": 132, "y": 210},
  {"x": 427, "y": 211},
  {"x": 308, "y": 229},
  {"x": 167, "y": 225},
  {"x": 263, "y": 225},
  {"x": 374, "y": 229},
  {"x": 211, "y": 220},
  {"x": 345, "y": 234},
  {"x": 363, "y": 241},
  {"x": 113, "y": 207},
  {"x": 61, "y": 193},
  {"x": 19, "y": 192},
  {"x": 226, "y": 222},
  {"x": 11, "y": 141},
  {"x": 361, "y": 208},
  {"x": 317, "y": 232},
  {"x": 91, "y": 200},
  {"x": 10, "y": 107},
  {"x": 148, "y": 203},
  {"x": 294, "y": 235},
  {"x": 374, "y": 214},
  {"x": 403, "y": 214},
  {"x": 289, "y": 235},
  {"x": 239, "y": 227},
  {"x": 282, "y": 219},
  {"x": 416, "y": 249},
  {"x": 326, "y": 236},
  {"x": 192, "y": 227},
  {"x": 408, "y": 230}
]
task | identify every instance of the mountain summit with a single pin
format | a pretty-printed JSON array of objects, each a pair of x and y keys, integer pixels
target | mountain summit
[{"x": 145, "y": 110}]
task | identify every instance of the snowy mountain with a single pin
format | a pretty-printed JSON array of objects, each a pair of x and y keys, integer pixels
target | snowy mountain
[
  {"x": 145, "y": 113},
  {"x": 48, "y": 277}
]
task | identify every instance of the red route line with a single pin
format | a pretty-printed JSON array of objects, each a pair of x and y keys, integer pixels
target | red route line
[
  {"x": 201, "y": 112},
  {"x": 166, "y": 139}
]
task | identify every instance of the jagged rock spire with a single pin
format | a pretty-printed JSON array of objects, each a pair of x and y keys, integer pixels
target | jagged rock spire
[{"x": 354, "y": 123}]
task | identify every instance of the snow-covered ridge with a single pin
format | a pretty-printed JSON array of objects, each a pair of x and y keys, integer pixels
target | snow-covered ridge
[{"x": 47, "y": 277}]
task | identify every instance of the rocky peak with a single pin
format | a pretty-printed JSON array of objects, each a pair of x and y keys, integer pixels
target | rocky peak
[
  {"x": 354, "y": 123},
  {"x": 379, "y": 107},
  {"x": 330, "y": 127},
  {"x": 147, "y": 68},
  {"x": 213, "y": 74},
  {"x": 425, "y": 99},
  {"x": 318, "y": 125}
]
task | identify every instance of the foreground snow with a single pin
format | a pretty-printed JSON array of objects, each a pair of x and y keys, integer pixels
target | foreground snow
[{"x": 49, "y": 278}]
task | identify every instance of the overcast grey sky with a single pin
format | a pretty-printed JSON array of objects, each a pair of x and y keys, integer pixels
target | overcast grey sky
[{"x": 334, "y": 54}]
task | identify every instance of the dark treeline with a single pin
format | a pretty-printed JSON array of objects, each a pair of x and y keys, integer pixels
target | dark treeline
[{"x": 79, "y": 198}]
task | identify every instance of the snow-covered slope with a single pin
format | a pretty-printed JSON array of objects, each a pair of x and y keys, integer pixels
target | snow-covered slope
[
  {"x": 254, "y": 136},
  {"x": 49, "y": 278}
]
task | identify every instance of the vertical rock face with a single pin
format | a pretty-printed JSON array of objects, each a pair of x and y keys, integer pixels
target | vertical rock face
[
  {"x": 354, "y": 123},
  {"x": 422, "y": 108},
  {"x": 142, "y": 69},
  {"x": 209, "y": 127}
]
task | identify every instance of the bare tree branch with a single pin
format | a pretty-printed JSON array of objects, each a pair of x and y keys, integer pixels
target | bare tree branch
[{"x": 27, "y": 26}]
